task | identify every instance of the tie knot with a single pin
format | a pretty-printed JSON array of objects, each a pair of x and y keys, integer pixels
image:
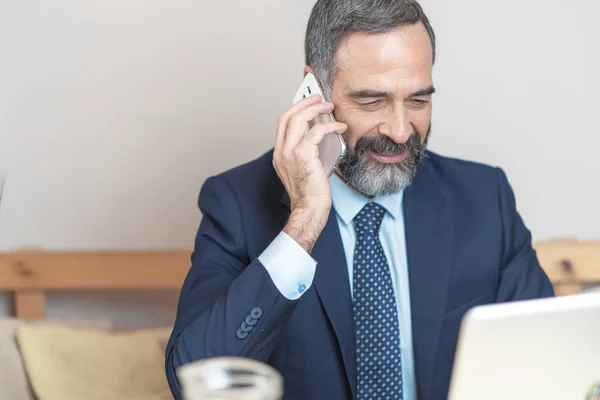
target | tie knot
[{"x": 368, "y": 220}]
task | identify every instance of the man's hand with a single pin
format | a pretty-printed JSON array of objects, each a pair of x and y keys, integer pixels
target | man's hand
[{"x": 296, "y": 160}]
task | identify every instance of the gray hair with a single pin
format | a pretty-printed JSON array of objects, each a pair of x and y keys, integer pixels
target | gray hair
[{"x": 331, "y": 21}]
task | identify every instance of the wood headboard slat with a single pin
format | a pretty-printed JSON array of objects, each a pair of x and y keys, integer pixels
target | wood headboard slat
[
  {"x": 50, "y": 271},
  {"x": 30, "y": 274},
  {"x": 570, "y": 261}
]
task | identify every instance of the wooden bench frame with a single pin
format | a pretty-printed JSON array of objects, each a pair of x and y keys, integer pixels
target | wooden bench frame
[
  {"x": 570, "y": 264},
  {"x": 30, "y": 275}
]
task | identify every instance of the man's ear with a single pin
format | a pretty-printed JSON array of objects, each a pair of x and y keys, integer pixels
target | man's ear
[{"x": 308, "y": 70}]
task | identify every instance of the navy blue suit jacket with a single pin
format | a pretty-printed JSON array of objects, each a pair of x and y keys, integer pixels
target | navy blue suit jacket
[{"x": 466, "y": 246}]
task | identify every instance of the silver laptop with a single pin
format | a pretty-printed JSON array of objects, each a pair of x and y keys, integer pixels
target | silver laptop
[{"x": 545, "y": 349}]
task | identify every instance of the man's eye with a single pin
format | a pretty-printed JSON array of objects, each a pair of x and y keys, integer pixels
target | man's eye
[
  {"x": 372, "y": 104},
  {"x": 417, "y": 102}
]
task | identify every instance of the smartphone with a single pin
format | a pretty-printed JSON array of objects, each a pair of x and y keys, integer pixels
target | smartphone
[{"x": 332, "y": 147}]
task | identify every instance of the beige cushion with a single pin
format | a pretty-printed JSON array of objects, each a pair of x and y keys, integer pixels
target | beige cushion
[
  {"x": 72, "y": 364},
  {"x": 13, "y": 379}
]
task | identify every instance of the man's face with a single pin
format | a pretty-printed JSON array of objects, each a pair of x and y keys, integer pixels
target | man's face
[{"x": 382, "y": 91}]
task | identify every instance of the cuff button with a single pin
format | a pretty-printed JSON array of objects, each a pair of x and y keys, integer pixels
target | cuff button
[
  {"x": 301, "y": 288},
  {"x": 256, "y": 312}
]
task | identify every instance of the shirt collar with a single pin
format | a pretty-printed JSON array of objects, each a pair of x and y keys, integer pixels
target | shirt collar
[{"x": 348, "y": 202}]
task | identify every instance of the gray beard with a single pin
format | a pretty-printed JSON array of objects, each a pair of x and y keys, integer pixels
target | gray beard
[{"x": 372, "y": 178}]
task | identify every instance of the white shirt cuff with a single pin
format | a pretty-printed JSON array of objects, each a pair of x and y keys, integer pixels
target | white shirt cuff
[{"x": 291, "y": 268}]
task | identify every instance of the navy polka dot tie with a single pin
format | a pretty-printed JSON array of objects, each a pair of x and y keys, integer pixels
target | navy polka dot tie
[{"x": 379, "y": 365}]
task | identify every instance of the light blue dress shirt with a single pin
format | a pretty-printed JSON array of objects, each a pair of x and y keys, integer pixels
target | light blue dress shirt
[{"x": 292, "y": 269}]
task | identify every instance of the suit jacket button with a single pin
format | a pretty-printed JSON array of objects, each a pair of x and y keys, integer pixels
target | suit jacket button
[
  {"x": 245, "y": 328},
  {"x": 241, "y": 334},
  {"x": 250, "y": 321},
  {"x": 256, "y": 312}
]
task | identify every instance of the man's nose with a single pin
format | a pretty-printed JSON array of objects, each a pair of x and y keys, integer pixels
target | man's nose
[{"x": 397, "y": 127}]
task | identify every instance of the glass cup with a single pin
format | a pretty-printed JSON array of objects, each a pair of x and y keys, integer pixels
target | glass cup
[{"x": 230, "y": 378}]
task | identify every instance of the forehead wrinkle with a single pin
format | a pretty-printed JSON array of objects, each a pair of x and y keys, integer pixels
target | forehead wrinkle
[{"x": 386, "y": 59}]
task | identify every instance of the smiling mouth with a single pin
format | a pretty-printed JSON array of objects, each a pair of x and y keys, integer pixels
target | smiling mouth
[{"x": 389, "y": 158}]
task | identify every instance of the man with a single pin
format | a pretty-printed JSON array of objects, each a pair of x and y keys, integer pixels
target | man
[{"x": 354, "y": 286}]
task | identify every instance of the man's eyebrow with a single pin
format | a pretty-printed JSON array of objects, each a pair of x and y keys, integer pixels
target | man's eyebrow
[
  {"x": 373, "y": 93},
  {"x": 368, "y": 94},
  {"x": 425, "y": 92}
]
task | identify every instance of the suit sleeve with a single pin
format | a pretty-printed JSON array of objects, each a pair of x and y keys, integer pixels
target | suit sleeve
[
  {"x": 521, "y": 277},
  {"x": 229, "y": 305}
]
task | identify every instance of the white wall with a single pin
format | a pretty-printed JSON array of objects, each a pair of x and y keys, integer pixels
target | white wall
[
  {"x": 113, "y": 113},
  {"x": 518, "y": 87}
]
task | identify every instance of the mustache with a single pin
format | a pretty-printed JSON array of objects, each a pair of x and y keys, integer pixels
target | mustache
[{"x": 386, "y": 146}]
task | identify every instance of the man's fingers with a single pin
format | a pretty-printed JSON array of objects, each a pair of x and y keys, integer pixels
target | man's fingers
[
  {"x": 298, "y": 123},
  {"x": 318, "y": 132},
  {"x": 301, "y": 105},
  {"x": 282, "y": 123}
]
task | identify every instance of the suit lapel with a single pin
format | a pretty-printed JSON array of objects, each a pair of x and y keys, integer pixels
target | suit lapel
[
  {"x": 428, "y": 228},
  {"x": 333, "y": 289}
]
